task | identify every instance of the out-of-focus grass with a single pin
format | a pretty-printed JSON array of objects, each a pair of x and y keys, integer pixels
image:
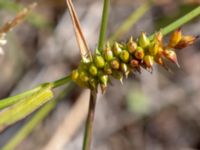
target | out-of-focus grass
[
  {"x": 137, "y": 102},
  {"x": 167, "y": 19},
  {"x": 34, "y": 18}
]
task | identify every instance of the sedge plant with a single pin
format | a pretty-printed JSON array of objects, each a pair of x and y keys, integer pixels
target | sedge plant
[
  {"x": 115, "y": 60},
  {"x": 38, "y": 117}
]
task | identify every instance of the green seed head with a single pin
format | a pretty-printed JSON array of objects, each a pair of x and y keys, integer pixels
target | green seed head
[
  {"x": 149, "y": 61},
  {"x": 74, "y": 75},
  {"x": 154, "y": 48},
  {"x": 99, "y": 61},
  {"x": 158, "y": 59},
  {"x": 139, "y": 53},
  {"x": 83, "y": 76},
  {"x": 175, "y": 38},
  {"x": 124, "y": 56},
  {"x": 134, "y": 63},
  {"x": 103, "y": 88},
  {"x": 103, "y": 79},
  {"x": 124, "y": 67},
  {"x": 93, "y": 83},
  {"x": 93, "y": 70},
  {"x": 83, "y": 66},
  {"x": 158, "y": 38},
  {"x": 143, "y": 40},
  {"x": 117, "y": 75},
  {"x": 97, "y": 52},
  {"x": 115, "y": 64},
  {"x": 108, "y": 54},
  {"x": 107, "y": 69},
  {"x": 131, "y": 45},
  {"x": 171, "y": 55},
  {"x": 116, "y": 49}
]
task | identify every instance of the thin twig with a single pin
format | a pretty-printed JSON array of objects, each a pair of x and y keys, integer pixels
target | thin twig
[
  {"x": 90, "y": 121},
  {"x": 84, "y": 49}
]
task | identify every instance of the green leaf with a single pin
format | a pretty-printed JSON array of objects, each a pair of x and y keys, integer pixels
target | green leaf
[
  {"x": 37, "y": 118},
  {"x": 130, "y": 21},
  {"x": 179, "y": 22},
  {"x": 25, "y": 107},
  {"x": 137, "y": 102},
  {"x": 14, "y": 99}
]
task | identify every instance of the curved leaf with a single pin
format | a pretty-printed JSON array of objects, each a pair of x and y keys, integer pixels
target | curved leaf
[{"x": 25, "y": 107}]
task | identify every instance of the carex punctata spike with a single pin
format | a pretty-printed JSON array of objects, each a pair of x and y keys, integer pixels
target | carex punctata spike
[{"x": 122, "y": 59}]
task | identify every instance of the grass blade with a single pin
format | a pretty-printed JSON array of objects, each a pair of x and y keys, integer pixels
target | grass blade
[
  {"x": 14, "y": 99},
  {"x": 35, "y": 19},
  {"x": 130, "y": 21},
  {"x": 35, "y": 120},
  {"x": 181, "y": 21},
  {"x": 17, "y": 20},
  {"x": 25, "y": 107}
]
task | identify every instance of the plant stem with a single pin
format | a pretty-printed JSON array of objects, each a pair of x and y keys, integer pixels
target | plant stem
[
  {"x": 130, "y": 21},
  {"x": 61, "y": 82},
  {"x": 178, "y": 23},
  {"x": 104, "y": 23},
  {"x": 93, "y": 93},
  {"x": 90, "y": 121}
]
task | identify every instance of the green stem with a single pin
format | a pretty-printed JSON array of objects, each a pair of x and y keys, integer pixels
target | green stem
[
  {"x": 93, "y": 94},
  {"x": 104, "y": 23},
  {"x": 61, "y": 82},
  {"x": 181, "y": 21},
  {"x": 35, "y": 120},
  {"x": 90, "y": 121},
  {"x": 130, "y": 21}
]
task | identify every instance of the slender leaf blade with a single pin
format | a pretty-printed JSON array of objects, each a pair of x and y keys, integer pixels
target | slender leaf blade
[
  {"x": 25, "y": 107},
  {"x": 14, "y": 99}
]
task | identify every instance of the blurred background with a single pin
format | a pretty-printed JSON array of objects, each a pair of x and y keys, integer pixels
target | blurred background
[{"x": 158, "y": 111}]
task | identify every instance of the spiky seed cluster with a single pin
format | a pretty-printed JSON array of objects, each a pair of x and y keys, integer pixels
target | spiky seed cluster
[{"x": 121, "y": 59}]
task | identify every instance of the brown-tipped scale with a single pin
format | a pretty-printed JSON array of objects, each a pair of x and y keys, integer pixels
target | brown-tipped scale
[
  {"x": 139, "y": 53},
  {"x": 119, "y": 60},
  {"x": 131, "y": 45}
]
